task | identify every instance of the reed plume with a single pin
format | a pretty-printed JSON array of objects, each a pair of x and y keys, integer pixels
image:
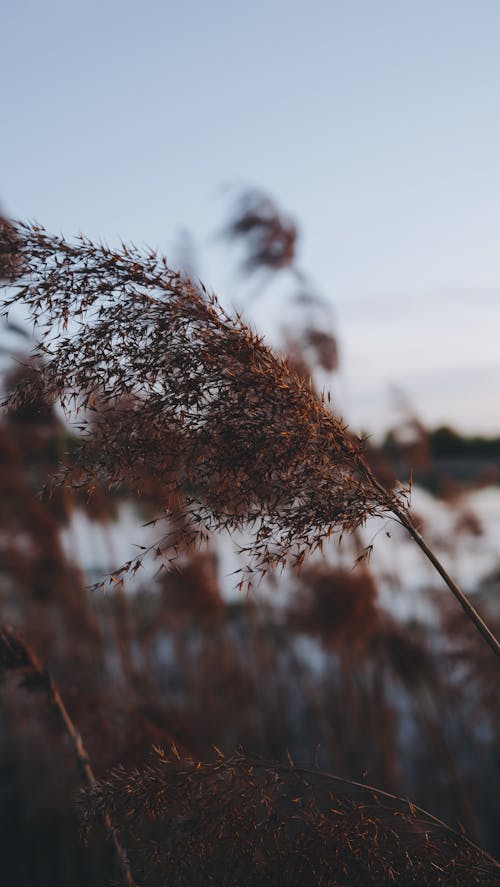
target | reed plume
[
  {"x": 242, "y": 820},
  {"x": 189, "y": 394}
]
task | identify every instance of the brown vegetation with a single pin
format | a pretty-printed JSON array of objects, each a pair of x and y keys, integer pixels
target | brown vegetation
[
  {"x": 185, "y": 405},
  {"x": 241, "y": 820}
]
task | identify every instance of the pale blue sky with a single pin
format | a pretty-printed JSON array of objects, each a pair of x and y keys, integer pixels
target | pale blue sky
[{"x": 374, "y": 122}]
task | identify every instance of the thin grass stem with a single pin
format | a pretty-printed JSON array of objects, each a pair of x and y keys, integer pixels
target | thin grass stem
[
  {"x": 464, "y": 602},
  {"x": 16, "y": 654},
  {"x": 405, "y": 520}
]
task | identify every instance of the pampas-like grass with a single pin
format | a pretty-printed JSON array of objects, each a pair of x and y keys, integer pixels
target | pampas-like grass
[
  {"x": 241, "y": 820},
  {"x": 190, "y": 394},
  {"x": 193, "y": 396}
]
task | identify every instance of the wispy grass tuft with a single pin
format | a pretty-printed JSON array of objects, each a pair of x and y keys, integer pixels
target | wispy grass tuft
[
  {"x": 242, "y": 820},
  {"x": 189, "y": 394}
]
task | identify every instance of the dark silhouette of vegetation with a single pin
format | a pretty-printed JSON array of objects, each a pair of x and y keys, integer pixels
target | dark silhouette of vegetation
[
  {"x": 447, "y": 442},
  {"x": 442, "y": 460}
]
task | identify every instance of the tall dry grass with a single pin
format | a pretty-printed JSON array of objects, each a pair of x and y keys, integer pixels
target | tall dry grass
[
  {"x": 183, "y": 665},
  {"x": 195, "y": 396}
]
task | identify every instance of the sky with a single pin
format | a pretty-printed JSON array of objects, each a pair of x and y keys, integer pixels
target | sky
[{"x": 374, "y": 123}]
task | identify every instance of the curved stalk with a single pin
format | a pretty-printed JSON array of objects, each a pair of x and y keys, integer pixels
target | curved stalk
[
  {"x": 405, "y": 520},
  {"x": 464, "y": 602}
]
